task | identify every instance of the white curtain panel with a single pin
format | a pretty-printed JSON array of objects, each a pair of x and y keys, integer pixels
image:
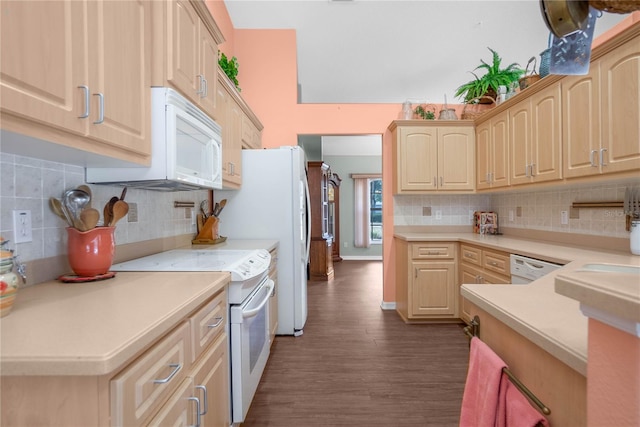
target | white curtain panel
[{"x": 361, "y": 209}]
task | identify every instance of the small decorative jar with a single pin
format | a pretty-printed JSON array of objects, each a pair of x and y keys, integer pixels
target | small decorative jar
[
  {"x": 407, "y": 111},
  {"x": 91, "y": 252},
  {"x": 8, "y": 282}
]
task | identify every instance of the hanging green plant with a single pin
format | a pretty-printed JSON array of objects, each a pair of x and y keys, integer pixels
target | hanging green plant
[{"x": 230, "y": 68}]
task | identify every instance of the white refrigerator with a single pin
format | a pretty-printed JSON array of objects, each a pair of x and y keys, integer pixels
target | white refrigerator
[{"x": 273, "y": 204}]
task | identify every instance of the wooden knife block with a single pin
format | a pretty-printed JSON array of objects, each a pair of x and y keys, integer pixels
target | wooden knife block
[{"x": 208, "y": 230}]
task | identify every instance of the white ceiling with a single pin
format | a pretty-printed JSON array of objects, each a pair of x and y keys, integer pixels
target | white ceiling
[
  {"x": 389, "y": 51},
  {"x": 352, "y": 145}
]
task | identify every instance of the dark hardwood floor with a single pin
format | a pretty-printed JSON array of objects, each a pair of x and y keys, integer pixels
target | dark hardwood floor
[{"x": 357, "y": 365}]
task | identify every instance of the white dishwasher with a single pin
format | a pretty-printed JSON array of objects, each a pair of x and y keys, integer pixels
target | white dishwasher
[{"x": 525, "y": 270}]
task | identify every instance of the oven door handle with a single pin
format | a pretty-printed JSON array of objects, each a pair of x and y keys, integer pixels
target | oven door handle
[{"x": 269, "y": 285}]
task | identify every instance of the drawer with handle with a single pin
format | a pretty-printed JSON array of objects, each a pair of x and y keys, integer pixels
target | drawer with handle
[
  {"x": 433, "y": 250},
  {"x": 208, "y": 323},
  {"x": 471, "y": 254},
  {"x": 497, "y": 262},
  {"x": 138, "y": 391}
]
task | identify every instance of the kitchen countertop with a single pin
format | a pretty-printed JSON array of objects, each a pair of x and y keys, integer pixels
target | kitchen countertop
[
  {"x": 94, "y": 328},
  {"x": 550, "y": 320}
]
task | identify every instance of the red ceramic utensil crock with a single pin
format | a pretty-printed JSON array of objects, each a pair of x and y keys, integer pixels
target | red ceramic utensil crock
[{"x": 91, "y": 252}]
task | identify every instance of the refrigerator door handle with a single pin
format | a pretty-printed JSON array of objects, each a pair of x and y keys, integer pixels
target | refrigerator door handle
[{"x": 308, "y": 215}]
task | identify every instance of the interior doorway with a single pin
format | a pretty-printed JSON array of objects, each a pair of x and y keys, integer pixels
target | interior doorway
[{"x": 347, "y": 155}]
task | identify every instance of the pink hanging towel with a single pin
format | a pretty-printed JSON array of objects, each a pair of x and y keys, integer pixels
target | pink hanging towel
[
  {"x": 514, "y": 409},
  {"x": 482, "y": 389}
]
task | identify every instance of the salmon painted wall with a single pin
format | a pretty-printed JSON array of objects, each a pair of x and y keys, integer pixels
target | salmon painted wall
[
  {"x": 613, "y": 388},
  {"x": 268, "y": 78}
]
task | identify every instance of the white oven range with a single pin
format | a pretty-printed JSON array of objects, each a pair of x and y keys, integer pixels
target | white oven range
[{"x": 248, "y": 297}]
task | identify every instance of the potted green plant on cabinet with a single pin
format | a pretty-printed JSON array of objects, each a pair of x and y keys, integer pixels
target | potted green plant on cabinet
[
  {"x": 230, "y": 68},
  {"x": 488, "y": 84}
]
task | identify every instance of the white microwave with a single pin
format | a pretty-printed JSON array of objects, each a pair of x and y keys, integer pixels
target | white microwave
[{"x": 186, "y": 149}]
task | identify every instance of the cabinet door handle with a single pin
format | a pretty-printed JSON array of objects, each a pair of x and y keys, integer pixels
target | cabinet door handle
[
  {"x": 532, "y": 166},
  {"x": 592, "y": 158},
  {"x": 205, "y": 399},
  {"x": 481, "y": 279},
  {"x": 488, "y": 177},
  {"x": 493, "y": 263},
  {"x": 198, "y": 415},
  {"x": 176, "y": 367},
  {"x": 200, "y": 90},
  {"x": 434, "y": 182},
  {"x": 218, "y": 321},
  {"x": 602, "y": 163},
  {"x": 416, "y": 273},
  {"x": 86, "y": 102},
  {"x": 206, "y": 88},
  {"x": 101, "y": 104},
  {"x": 526, "y": 171},
  {"x": 441, "y": 181},
  {"x": 468, "y": 255}
]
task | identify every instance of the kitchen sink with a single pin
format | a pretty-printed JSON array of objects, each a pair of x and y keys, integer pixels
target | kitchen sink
[{"x": 611, "y": 268}]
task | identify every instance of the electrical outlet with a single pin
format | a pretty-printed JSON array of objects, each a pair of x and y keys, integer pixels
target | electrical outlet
[
  {"x": 132, "y": 215},
  {"x": 564, "y": 217},
  {"x": 438, "y": 214},
  {"x": 471, "y": 214},
  {"x": 22, "y": 230},
  {"x": 511, "y": 216},
  {"x": 346, "y": 244}
]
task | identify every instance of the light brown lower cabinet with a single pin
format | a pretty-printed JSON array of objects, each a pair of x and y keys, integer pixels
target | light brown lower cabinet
[
  {"x": 426, "y": 278},
  {"x": 481, "y": 266},
  {"x": 159, "y": 387}
]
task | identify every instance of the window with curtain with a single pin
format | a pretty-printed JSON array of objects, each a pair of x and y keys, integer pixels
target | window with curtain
[{"x": 367, "y": 209}]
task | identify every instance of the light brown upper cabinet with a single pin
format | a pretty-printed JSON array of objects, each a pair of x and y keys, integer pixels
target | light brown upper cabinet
[
  {"x": 535, "y": 138},
  {"x": 229, "y": 117},
  {"x": 186, "y": 42},
  {"x": 77, "y": 73},
  {"x": 601, "y": 112},
  {"x": 437, "y": 156},
  {"x": 251, "y": 136},
  {"x": 492, "y": 152}
]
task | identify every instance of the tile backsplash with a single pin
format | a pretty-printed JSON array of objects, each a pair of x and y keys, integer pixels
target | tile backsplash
[
  {"x": 27, "y": 184},
  {"x": 445, "y": 209},
  {"x": 540, "y": 209}
]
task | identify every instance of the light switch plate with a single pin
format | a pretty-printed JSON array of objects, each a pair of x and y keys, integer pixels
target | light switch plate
[{"x": 564, "y": 217}]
